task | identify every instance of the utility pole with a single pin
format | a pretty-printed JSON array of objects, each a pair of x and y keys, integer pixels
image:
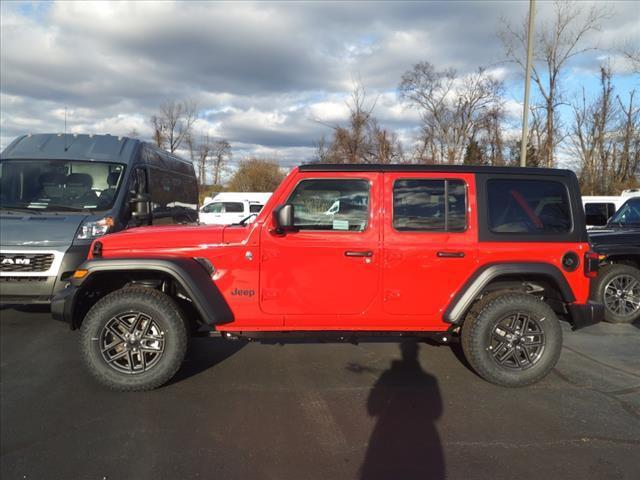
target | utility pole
[{"x": 527, "y": 83}]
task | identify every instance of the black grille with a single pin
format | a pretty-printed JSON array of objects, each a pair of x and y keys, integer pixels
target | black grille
[{"x": 32, "y": 262}]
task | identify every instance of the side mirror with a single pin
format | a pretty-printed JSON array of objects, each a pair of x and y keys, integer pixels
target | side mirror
[
  {"x": 283, "y": 218},
  {"x": 141, "y": 207}
]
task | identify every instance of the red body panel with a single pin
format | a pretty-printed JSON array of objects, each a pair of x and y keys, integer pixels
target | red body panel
[{"x": 304, "y": 281}]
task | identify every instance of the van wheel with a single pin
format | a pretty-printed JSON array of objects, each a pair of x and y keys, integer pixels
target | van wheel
[
  {"x": 618, "y": 288},
  {"x": 133, "y": 339},
  {"x": 515, "y": 340}
]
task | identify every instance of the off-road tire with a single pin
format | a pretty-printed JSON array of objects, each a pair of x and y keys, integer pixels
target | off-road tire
[
  {"x": 478, "y": 331},
  {"x": 605, "y": 276},
  {"x": 166, "y": 315}
]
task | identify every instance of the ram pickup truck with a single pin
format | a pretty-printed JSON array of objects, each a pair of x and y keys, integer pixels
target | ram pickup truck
[{"x": 493, "y": 257}]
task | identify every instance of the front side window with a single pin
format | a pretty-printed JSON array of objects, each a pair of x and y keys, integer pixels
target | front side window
[
  {"x": 215, "y": 207},
  {"x": 255, "y": 208},
  {"x": 528, "y": 206},
  {"x": 628, "y": 215},
  {"x": 328, "y": 204},
  {"x": 426, "y": 205},
  {"x": 59, "y": 185}
]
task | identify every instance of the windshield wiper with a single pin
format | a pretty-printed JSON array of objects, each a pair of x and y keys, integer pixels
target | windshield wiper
[
  {"x": 22, "y": 209},
  {"x": 67, "y": 208}
]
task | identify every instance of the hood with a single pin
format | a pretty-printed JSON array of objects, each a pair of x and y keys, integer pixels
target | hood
[
  {"x": 615, "y": 239},
  {"x": 615, "y": 235},
  {"x": 162, "y": 239},
  {"x": 39, "y": 230}
]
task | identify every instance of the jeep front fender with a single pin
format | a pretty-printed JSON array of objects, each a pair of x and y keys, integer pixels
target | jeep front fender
[{"x": 189, "y": 273}]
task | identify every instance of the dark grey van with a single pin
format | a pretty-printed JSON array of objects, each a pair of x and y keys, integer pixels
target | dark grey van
[{"x": 60, "y": 192}]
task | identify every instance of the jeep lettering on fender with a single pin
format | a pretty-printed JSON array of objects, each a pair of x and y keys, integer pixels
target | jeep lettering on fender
[
  {"x": 245, "y": 293},
  {"x": 490, "y": 257}
]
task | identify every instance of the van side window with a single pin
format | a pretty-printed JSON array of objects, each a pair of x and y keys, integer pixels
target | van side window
[
  {"x": 426, "y": 205},
  {"x": 173, "y": 197},
  {"x": 255, "y": 208},
  {"x": 233, "y": 207},
  {"x": 327, "y": 204},
  {"x": 528, "y": 206}
]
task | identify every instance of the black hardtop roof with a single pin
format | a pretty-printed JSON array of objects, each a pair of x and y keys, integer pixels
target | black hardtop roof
[
  {"x": 58, "y": 146},
  {"x": 375, "y": 167}
]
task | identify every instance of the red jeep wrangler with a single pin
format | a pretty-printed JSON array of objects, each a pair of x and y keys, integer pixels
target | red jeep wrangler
[{"x": 490, "y": 255}]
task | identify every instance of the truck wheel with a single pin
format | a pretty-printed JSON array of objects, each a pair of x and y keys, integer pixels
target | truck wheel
[
  {"x": 514, "y": 341},
  {"x": 618, "y": 288},
  {"x": 133, "y": 339}
]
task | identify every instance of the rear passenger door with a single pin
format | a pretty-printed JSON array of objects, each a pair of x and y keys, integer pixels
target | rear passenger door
[{"x": 430, "y": 235}]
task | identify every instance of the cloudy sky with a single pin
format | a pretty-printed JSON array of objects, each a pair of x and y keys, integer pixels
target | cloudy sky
[{"x": 268, "y": 77}]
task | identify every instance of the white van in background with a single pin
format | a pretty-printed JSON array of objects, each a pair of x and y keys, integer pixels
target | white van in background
[
  {"x": 232, "y": 207},
  {"x": 598, "y": 209}
]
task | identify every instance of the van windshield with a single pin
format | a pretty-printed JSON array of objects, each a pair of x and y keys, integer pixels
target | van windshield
[{"x": 59, "y": 185}]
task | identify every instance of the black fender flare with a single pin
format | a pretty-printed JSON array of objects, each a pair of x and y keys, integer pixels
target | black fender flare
[
  {"x": 190, "y": 273},
  {"x": 461, "y": 302}
]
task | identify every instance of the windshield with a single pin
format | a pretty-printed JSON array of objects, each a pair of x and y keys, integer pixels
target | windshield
[
  {"x": 628, "y": 214},
  {"x": 58, "y": 185}
]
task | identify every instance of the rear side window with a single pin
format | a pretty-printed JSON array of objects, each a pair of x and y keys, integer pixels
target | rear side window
[
  {"x": 255, "y": 208},
  {"x": 599, "y": 213},
  {"x": 328, "y": 204},
  {"x": 426, "y": 205},
  {"x": 528, "y": 206}
]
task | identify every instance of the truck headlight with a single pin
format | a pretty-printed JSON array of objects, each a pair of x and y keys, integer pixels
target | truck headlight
[{"x": 95, "y": 229}]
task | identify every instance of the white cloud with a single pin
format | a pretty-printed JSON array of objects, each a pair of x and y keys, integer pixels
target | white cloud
[{"x": 267, "y": 76}]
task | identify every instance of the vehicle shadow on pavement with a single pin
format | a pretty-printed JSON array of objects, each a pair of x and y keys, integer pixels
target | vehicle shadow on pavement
[
  {"x": 29, "y": 308},
  {"x": 205, "y": 353},
  {"x": 405, "y": 443}
]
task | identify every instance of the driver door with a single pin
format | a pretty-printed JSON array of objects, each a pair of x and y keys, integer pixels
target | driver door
[{"x": 329, "y": 266}]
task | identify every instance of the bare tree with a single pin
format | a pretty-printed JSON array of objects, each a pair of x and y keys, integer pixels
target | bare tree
[
  {"x": 605, "y": 137},
  {"x": 452, "y": 108},
  {"x": 362, "y": 140},
  {"x": 209, "y": 155},
  {"x": 220, "y": 157},
  {"x": 173, "y": 124},
  {"x": 555, "y": 44},
  {"x": 631, "y": 52}
]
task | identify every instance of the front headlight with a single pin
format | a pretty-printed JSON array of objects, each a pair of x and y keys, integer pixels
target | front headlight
[{"x": 95, "y": 229}]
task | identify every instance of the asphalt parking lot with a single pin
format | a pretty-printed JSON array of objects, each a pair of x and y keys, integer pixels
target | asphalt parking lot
[{"x": 318, "y": 411}]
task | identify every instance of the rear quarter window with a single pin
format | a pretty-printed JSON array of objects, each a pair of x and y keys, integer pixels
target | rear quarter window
[{"x": 533, "y": 207}]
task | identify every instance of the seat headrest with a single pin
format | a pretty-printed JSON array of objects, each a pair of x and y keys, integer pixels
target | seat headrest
[
  {"x": 82, "y": 179},
  {"x": 52, "y": 178}
]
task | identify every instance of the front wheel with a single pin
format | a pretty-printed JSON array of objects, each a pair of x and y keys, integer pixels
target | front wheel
[
  {"x": 133, "y": 339},
  {"x": 515, "y": 340}
]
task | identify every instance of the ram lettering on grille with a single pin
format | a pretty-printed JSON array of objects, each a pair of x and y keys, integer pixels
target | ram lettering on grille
[{"x": 25, "y": 262}]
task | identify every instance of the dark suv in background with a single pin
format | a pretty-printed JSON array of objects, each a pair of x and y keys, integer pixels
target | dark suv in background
[{"x": 60, "y": 192}]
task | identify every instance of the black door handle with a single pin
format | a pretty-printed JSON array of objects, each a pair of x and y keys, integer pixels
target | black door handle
[
  {"x": 367, "y": 253},
  {"x": 451, "y": 254}
]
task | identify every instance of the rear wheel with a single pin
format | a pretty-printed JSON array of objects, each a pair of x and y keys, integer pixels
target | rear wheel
[
  {"x": 133, "y": 339},
  {"x": 618, "y": 288},
  {"x": 515, "y": 340}
]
